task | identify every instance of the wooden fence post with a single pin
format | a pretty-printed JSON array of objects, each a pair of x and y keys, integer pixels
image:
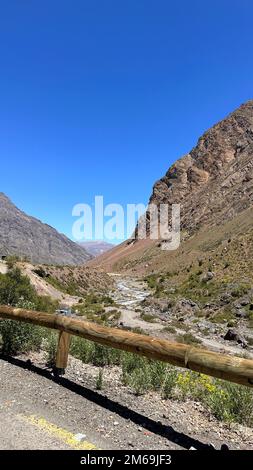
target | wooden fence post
[{"x": 62, "y": 352}]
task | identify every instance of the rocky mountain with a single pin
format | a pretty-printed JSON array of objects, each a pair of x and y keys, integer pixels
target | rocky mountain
[
  {"x": 26, "y": 236},
  {"x": 96, "y": 248},
  {"x": 213, "y": 184},
  {"x": 202, "y": 292}
]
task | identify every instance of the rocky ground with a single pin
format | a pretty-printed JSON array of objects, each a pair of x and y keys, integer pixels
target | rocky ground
[
  {"x": 179, "y": 320},
  {"x": 113, "y": 418}
]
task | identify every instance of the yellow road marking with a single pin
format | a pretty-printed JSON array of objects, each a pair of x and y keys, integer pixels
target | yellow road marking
[{"x": 62, "y": 434}]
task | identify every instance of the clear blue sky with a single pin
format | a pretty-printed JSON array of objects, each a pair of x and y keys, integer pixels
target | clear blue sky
[{"x": 99, "y": 97}]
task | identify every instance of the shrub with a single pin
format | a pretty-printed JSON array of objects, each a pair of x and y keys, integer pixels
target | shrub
[
  {"x": 15, "y": 287},
  {"x": 19, "y": 337},
  {"x": 148, "y": 317},
  {"x": 51, "y": 348},
  {"x": 188, "y": 338},
  {"x": 99, "y": 381},
  {"x": 169, "y": 383},
  {"x": 170, "y": 329},
  {"x": 46, "y": 304},
  {"x": 41, "y": 272},
  {"x": 231, "y": 402},
  {"x": 94, "y": 353},
  {"x": 139, "y": 381}
]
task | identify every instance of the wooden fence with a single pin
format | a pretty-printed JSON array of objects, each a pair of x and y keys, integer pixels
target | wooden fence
[{"x": 233, "y": 369}]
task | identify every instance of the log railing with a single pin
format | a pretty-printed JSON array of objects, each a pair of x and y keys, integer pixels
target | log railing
[{"x": 233, "y": 369}]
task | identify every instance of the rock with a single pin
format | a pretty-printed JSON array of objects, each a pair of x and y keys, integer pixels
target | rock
[
  {"x": 240, "y": 313},
  {"x": 224, "y": 447},
  {"x": 80, "y": 437},
  {"x": 171, "y": 290},
  {"x": 245, "y": 301},
  {"x": 232, "y": 335},
  {"x": 163, "y": 305},
  {"x": 225, "y": 298},
  {"x": 207, "y": 277},
  {"x": 186, "y": 306}
]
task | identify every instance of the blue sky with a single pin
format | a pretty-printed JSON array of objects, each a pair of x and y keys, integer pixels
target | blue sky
[{"x": 99, "y": 97}]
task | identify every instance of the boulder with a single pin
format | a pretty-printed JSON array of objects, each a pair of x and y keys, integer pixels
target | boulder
[
  {"x": 240, "y": 313},
  {"x": 233, "y": 335},
  {"x": 207, "y": 276}
]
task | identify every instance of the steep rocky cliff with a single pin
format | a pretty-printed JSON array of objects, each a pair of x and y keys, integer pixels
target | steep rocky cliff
[{"x": 213, "y": 183}]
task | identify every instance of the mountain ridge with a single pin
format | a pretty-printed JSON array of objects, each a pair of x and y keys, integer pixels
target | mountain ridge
[
  {"x": 97, "y": 247},
  {"x": 27, "y": 236}
]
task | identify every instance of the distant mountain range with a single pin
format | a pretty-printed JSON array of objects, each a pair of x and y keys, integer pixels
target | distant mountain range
[
  {"x": 96, "y": 248},
  {"x": 26, "y": 236}
]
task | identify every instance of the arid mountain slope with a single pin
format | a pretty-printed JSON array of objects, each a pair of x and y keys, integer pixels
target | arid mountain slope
[
  {"x": 213, "y": 185},
  {"x": 23, "y": 235}
]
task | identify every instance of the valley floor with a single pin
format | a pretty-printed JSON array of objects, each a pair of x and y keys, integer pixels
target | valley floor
[{"x": 129, "y": 294}]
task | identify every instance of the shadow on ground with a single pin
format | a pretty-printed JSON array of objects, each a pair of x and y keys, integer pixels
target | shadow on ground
[{"x": 150, "y": 425}]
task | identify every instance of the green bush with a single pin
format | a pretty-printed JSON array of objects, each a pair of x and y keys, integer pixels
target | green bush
[
  {"x": 169, "y": 383},
  {"x": 99, "y": 381},
  {"x": 96, "y": 354},
  {"x": 51, "y": 347},
  {"x": 16, "y": 290},
  {"x": 45, "y": 303},
  {"x": 19, "y": 337},
  {"x": 15, "y": 287},
  {"x": 231, "y": 402}
]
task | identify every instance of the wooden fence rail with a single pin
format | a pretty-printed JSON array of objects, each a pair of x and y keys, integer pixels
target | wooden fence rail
[{"x": 233, "y": 369}]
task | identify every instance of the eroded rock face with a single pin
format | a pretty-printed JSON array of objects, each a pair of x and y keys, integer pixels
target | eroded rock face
[
  {"x": 213, "y": 182},
  {"x": 23, "y": 235}
]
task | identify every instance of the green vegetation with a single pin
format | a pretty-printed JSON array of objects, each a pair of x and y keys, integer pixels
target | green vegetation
[
  {"x": 148, "y": 317},
  {"x": 20, "y": 337},
  {"x": 93, "y": 307},
  {"x": 228, "y": 402},
  {"x": 50, "y": 345},
  {"x": 170, "y": 329},
  {"x": 241, "y": 290},
  {"x": 223, "y": 316},
  {"x": 17, "y": 291},
  {"x": 99, "y": 382},
  {"x": 188, "y": 338},
  {"x": 156, "y": 283},
  {"x": 14, "y": 287},
  {"x": 71, "y": 288}
]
